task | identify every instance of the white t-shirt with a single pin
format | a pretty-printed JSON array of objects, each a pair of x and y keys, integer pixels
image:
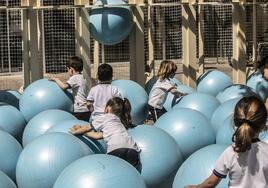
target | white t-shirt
[
  {"x": 99, "y": 95},
  {"x": 159, "y": 92},
  {"x": 246, "y": 170},
  {"x": 78, "y": 86},
  {"x": 114, "y": 133}
]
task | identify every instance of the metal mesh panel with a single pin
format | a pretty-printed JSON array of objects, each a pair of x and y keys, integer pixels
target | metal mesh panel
[
  {"x": 10, "y": 46},
  {"x": 59, "y": 36},
  {"x": 217, "y": 27}
]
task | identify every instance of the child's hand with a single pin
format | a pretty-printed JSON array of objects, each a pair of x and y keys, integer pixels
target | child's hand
[
  {"x": 52, "y": 79},
  {"x": 74, "y": 129}
]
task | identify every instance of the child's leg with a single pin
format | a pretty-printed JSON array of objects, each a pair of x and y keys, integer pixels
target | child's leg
[
  {"x": 129, "y": 155},
  {"x": 159, "y": 112}
]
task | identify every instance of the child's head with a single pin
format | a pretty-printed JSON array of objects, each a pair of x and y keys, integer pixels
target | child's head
[
  {"x": 263, "y": 66},
  {"x": 167, "y": 69},
  {"x": 105, "y": 72},
  {"x": 75, "y": 65},
  {"x": 249, "y": 119},
  {"x": 122, "y": 109}
]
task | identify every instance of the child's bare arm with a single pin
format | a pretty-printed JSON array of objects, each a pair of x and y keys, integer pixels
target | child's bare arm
[
  {"x": 175, "y": 92},
  {"x": 61, "y": 84},
  {"x": 80, "y": 130},
  {"x": 94, "y": 134},
  {"x": 211, "y": 181}
]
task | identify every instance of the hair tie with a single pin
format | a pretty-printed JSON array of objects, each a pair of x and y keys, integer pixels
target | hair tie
[{"x": 246, "y": 121}]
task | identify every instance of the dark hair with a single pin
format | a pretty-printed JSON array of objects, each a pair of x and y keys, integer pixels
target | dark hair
[
  {"x": 166, "y": 69},
  {"x": 122, "y": 109},
  {"x": 105, "y": 72},
  {"x": 249, "y": 119},
  {"x": 263, "y": 64},
  {"x": 76, "y": 63}
]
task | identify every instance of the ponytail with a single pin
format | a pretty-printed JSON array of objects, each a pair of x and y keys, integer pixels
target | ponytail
[
  {"x": 243, "y": 138},
  {"x": 250, "y": 116},
  {"x": 126, "y": 116}
]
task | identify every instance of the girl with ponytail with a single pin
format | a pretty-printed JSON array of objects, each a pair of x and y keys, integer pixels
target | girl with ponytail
[
  {"x": 112, "y": 127},
  {"x": 246, "y": 160}
]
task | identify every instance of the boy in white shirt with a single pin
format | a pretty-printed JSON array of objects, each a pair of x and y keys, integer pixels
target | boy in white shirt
[
  {"x": 100, "y": 94},
  {"x": 77, "y": 84}
]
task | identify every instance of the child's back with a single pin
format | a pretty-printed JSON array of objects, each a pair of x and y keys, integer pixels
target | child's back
[
  {"x": 99, "y": 95},
  {"x": 79, "y": 89},
  {"x": 247, "y": 169}
]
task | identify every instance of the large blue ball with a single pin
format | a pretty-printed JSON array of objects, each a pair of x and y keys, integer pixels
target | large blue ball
[
  {"x": 222, "y": 112},
  {"x": 202, "y": 102},
  {"x": 137, "y": 97},
  {"x": 5, "y": 181},
  {"x": 97, "y": 146},
  {"x": 199, "y": 166},
  {"x": 160, "y": 155},
  {"x": 40, "y": 123},
  {"x": 226, "y": 131},
  {"x": 172, "y": 100},
  {"x": 110, "y": 25},
  {"x": 189, "y": 128},
  {"x": 11, "y": 120},
  {"x": 100, "y": 171},
  {"x": 235, "y": 91},
  {"x": 212, "y": 82},
  {"x": 258, "y": 84},
  {"x": 41, "y": 161},
  {"x": 10, "y": 150},
  {"x": 43, "y": 95},
  {"x": 10, "y": 97}
]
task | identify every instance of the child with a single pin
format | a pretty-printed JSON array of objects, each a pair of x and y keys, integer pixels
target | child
[
  {"x": 159, "y": 92},
  {"x": 77, "y": 84},
  {"x": 102, "y": 92},
  {"x": 246, "y": 160},
  {"x": 112, "y": 127},
  {"x": 263, "y": 67}
]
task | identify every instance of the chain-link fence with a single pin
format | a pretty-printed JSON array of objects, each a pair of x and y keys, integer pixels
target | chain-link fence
[{"x": 58, "y": 38}]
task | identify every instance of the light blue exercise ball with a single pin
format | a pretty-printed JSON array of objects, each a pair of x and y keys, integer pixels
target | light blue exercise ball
[
  {"x": 222, "y": 112},
  {"x": 40, "y": 123},
  {"x": 190, "y": 129},
  {"x": 11, "y": 120},
  {"x": 137, "y": 97},
  {"x": 43, "y": 95},
  {"x": 199, "y": 166},
  {"x": 10, "y": 97},
  {"x": 42, "y": 160},
  {"x": 202, "y": 102},
  {"x": 5, "y": 181},
  {"x": 96, "y": 146},
  {"x": 100, "y": 171},
  {"x": 258, "y": 84},
  {"x": 235, "y": 91},
  {"x": 226, "y": 131},
  {"x": 10, "y": 150},
  {"x": 172, "y": 100},
  {"x": 212, "y": 82},
  {"x": 110, "y": 25},
  {"x": 149, "y": 85},
  {"x": 160, "y": 155}
]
